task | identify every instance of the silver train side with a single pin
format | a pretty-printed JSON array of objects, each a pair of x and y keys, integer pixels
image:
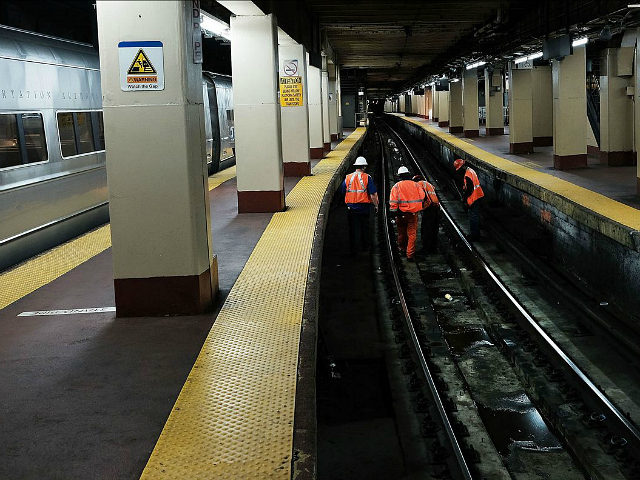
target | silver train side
[{"x": 53, "y": 183}]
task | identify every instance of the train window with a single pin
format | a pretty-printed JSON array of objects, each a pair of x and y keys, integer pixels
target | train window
[
  {"x": 9, "y": 142},
  {"x": 34, "y": 139},
  {"x": 84, "y": 132},
  {"x": 67, "y": 134},
  {"x": 98, "y": 129},
  {"x": 229, "y": 117}
]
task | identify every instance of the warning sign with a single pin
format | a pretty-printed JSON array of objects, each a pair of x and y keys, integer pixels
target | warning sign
[
  {"x": 141, "y": 66},
  {"x": 291, "y": 92}
]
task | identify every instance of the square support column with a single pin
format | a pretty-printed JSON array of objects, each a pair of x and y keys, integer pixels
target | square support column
[
  {"x": 436, "y": 104},
  {"x": 326, "y": 134},
  {"x": 254, "y": 62},
  {"x": 333, "y": 102},
  {"x": 443, "y": 109},
  {"x": 455, "y": 107},
  {"x": 542, "y": 107},
  {"x": 494, "y": 102},
  {"x": 636, "y": 112},
  {"x": 156, "y": 160},
  {"x": 294, "y": 115},
  {"x": 428, "y": 95},
  {"x": 471, "y": 119},
  {"x": 316, "y": 141},
  {"x": 616, "y": 109},
  {"x": 569, "y": 110},
  {"x": 520, "y": 111}
]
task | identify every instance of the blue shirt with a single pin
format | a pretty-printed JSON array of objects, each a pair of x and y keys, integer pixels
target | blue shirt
[{"x": 360, "y": 207}]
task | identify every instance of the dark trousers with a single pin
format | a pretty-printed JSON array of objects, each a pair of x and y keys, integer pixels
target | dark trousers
[
  {"x": 429, "y": 228},
  {"x": 474, "y": 220},
  {"x": 358, "y": 230}
]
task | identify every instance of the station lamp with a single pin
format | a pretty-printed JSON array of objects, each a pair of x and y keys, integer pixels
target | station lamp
[
  {"x": 475, "y": 65},
  {"x": 215, "y": 27}
]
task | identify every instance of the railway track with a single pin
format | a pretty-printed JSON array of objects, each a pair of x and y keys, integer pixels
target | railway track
[{"x": 489, "y": 369}]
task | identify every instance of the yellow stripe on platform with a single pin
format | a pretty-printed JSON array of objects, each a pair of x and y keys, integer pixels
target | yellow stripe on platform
[
  {"x": 220, "y": 177},
  {"x": 234, "y": 416},
  {"x": 605, "y": 206},
  {"x": 38, "y": 271},
  {"x": 43, "y": 269}
]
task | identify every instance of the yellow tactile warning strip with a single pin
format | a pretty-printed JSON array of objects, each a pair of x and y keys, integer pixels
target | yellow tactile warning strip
[
  {"x": 39, "y": 271},
  {"x": 220, "y": 177},
  {"x": 605, "y": 206},
  {"x": 234, "y": 416}
]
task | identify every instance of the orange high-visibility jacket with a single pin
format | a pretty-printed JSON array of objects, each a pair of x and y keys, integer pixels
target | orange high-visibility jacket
[
  {"x": 430, "y": 192},
  {"x": 406, "y": 196},
  {"x": 356, "y": 191},
  {"x": 477, "y": 189}
]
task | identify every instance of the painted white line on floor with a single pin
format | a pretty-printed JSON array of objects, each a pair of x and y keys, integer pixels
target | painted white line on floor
[{"x": 72, "y": 311}]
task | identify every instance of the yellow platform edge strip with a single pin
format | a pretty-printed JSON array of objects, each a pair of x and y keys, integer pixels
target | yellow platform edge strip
[
  {"x": 38, "y": 271},
  {"x": 596, "y": 202},
  {"x": 233, "y": 418}
]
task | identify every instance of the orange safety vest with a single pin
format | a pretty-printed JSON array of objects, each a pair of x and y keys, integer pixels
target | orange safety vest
[
  {"x": 430, "y": 192},
  {"x": 407, "y": 196},
  {"x": 477, "y": 189},
  {"x": 356, "y": 191}
]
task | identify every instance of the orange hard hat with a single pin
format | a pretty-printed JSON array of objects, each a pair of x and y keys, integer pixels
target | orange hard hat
[{"x": 458, "y": 163}]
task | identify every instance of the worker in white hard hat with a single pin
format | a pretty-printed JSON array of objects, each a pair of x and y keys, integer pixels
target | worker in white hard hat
[
  {"x": 405, "y": 201},
  {"x": 360, "y": 194}
]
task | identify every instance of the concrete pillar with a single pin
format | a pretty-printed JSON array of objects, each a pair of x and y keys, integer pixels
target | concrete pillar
[
  {"x": 339, "y": 100},
  {"x": 636, "y": 112},
  {"x": 254, "y": 62},
  {"x": 156, "y": 160},
  {"x": 443, "y": 108},
  {"x": 520, "y": 111},
  {"x": 436, "y": 104},
  {"x": 333, "y": 103},
  {"x": 569, "y": 107},
  {"x": 428, "y": 92},
  {"x": 326, "y": 132},
  {"x": 294, "y": 109},
  {"x": 415, "y": 104},
  {"x": 455, "y": 107},
  {"x": 421, "y": 105},
  {"x": 316, "y": 141},
  {"x": 616, "y": 108},
  {"x": 542, "y": 107},
  {"x": 493, "y": 94},
  {"x": 471, "y": 119}
]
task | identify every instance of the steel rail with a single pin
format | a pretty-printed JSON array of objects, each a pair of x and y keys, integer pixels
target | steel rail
[
  {"x": 455, "y": 445},
  {"x": 618, "y": 421}
]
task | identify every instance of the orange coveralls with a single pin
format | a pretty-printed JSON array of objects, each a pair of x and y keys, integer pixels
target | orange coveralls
[{"x": 407, "y": 199}]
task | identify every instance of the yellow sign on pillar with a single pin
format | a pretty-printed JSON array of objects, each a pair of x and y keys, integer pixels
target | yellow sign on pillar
[{"x": 291, "y": 92}]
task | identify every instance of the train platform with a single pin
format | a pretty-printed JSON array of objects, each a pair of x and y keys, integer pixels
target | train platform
[{"x": 87, "y": 395}]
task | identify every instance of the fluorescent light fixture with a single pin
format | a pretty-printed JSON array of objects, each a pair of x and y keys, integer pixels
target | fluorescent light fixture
[
  {"x": 475, "y": 65},
  {"x": 580, "y": 41},
  {"x": 454, "y": 80},
  {"x": 520, "y": 60},
  {"x": 533, "y": 56},
  {"x": 361, "y": 93},
  {"x": 633, "y": 5},
  {"x": 215, "y": 27}
]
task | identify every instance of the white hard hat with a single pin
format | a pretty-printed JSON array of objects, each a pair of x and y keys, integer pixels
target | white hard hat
[
  {"x": 402, "y": 170},
  {"x": 361, "y": 161}
]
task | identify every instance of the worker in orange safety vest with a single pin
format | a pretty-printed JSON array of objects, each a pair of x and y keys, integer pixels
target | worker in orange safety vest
[
  {"x": 430, "y": 216},
  {"x": 471, "y": 194},
  {"x": 360, "y": 194},
  {"x": 405, "y": 201}
]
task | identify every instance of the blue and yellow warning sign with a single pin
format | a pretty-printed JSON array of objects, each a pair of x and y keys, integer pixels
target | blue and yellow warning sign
[{"x": 141, "y": 66}]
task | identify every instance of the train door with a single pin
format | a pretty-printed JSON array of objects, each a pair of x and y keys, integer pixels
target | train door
[{"x": 207, "y": 124}]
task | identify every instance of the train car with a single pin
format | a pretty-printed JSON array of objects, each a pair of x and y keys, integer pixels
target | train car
[{"x": 53, "y": 183}]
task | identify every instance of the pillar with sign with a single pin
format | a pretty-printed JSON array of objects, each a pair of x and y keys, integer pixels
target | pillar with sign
[
  {"x": 520, "y": 109},
  {"x": 156, "y": 161},
  {"x": 494, "y": 101},
  {"x": 333, "y": 101},
  {"x": 294, "y": 109},
  {"x": 254, "y": 63},
  {"x": 470, "y": 116}
]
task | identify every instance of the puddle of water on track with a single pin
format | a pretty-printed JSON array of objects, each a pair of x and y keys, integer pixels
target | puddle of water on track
[
  {"x": 461, "y": 340},
  {"x": 518, "y": 427}
]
